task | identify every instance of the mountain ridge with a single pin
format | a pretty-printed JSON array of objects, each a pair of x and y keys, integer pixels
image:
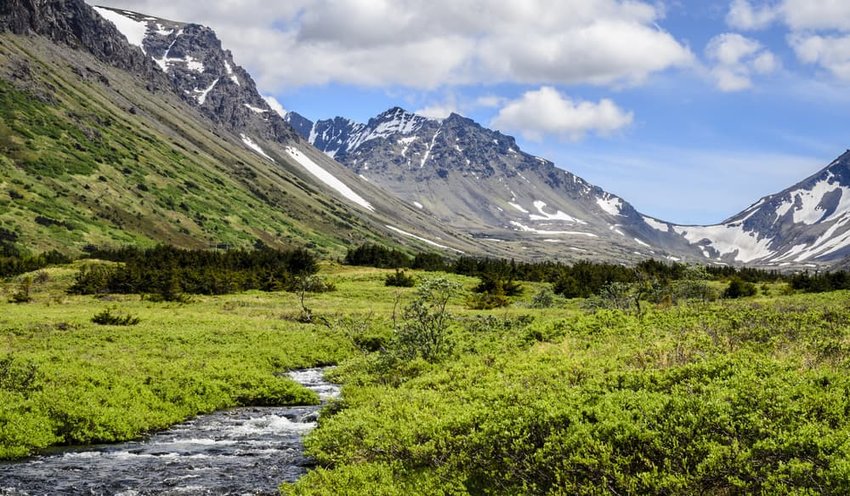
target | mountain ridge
[
  {"x": 93, "y": 153},
  {"x": 753, "y": 236}
]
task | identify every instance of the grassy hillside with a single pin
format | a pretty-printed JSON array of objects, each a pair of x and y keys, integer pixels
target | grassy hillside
[{"x": 89, "y": 156}]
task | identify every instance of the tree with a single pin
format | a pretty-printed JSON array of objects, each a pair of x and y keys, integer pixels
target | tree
[
  {"x": 423, "y": 331},
  {"x": 738, "y": 288}
]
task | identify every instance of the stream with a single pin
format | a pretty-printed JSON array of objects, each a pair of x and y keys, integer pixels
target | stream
[{"x": 248, "y": 450}]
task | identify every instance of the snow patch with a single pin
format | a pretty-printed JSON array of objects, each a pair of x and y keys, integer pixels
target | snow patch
[
  {"x": 728, "y": 239},
  {"x": 418, "y": 205},
  {"x": 658, "y": 226},
  {"x": 430, "y": 147},
  {"x": 642, "y": 243},
  {"x": 558, "y": 215},
  {"x": 254, "y": 109},
  {"x": 405, "y": 142},
  {"x": 201, "y": 95},
  {"x": 254, "y": 146},
  {"x": 611, "y": 205},
  {"x": 524, "y": 228},
  {"x": 231, "y": 74},
  {"x": 805, "y": 203},
  {"x": 518, "y": 207},
  {"x": 135, "y": 31},
  {"x": 428, "y": 241},
  {"x": 327, "y": 178}
]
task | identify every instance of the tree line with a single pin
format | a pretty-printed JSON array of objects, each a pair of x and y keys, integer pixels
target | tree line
[
  {"x": 170, "y": 272},
  {"x": 578, "y": 280}
]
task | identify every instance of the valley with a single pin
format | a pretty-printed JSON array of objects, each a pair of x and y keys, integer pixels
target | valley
[{"x": 202, "y": 292}]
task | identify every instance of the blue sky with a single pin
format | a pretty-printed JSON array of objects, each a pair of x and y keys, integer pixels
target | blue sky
[{"x": 690, "y": 110}]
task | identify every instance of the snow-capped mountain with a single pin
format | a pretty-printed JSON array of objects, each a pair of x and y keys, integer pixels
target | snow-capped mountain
[
  {"x": 186, "y": 111},
  {"x": 808, "y": 223},
  {"x": 480, "y": 181},
  {"x": 205, "y": 73}
]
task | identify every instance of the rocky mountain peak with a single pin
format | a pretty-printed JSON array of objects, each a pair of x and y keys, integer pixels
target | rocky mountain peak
[
  {"x": 75, "y": 24},
  {"x": 204, "y": 73}
]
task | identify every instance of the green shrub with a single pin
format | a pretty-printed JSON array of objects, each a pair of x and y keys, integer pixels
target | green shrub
[
  {"x": 424, "y": 329},
  {"x": 739, "y": 288},
  {"x": 544, "y": 298},
  {"x": 400, "y": 280},
  {"x": 110, "y": 316},
  {"x": 22, "y": 295}
]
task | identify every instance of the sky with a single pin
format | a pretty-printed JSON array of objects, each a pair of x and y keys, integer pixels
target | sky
[{"x": 691, "y": 110}]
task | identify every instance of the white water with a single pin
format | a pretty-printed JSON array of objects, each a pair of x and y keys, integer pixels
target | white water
[{"x": 240, "y": 451}]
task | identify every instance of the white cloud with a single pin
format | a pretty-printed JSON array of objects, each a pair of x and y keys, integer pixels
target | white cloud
[
  {"x": 292, "y": 43},
  {"x": 490, "y": 101},
  {"x": 830, "y": 52},
  {"x": 743, "y": 15},
  {"x": 437, "y": 111},
  {"x": 275, "y": 105},
  {"x": 735, "y": 59},
  {"x": 806, "y": 21},
  {"x": 548, "y": 112},
  {"x": 816, "y": 14},
  {"x": 798, "y": 15}
]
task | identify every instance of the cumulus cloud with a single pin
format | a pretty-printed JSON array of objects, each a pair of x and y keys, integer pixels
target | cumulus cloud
[
  {"x": 830, "y": 52},
  {"x": 437, "y": 111},
  {"x": 293, "y": 43},
  {"x": 796, "y": 14},
  {"x": 806, "y": 21},
  {"x": 816, "y": 14},
  {"x": 736, "y": 59},
  {"x": 275, "y": 105},
  {"x": 744, "y": 15},
  {"x": 547, "y": 112}
]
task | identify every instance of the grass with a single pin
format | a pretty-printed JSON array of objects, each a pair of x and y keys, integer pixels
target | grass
[
  {"x": 96, "y": 383},
  {"x": 730, "y": 397}
]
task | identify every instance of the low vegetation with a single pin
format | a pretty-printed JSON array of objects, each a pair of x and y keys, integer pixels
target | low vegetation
[{"x": 650, "y": 385}]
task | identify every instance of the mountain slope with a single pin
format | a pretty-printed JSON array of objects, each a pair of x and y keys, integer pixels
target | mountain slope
[
  {"x": 479, "y": 181},
  {"x": 808, "y": 223},
  {"x": 101, "y": 146}
]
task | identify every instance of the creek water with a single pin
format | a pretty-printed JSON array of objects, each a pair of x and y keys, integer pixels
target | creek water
[{"x": 241, "y": 451}]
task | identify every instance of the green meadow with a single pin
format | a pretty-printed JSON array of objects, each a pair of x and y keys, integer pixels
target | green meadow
[{"x": 744, "y": 396}]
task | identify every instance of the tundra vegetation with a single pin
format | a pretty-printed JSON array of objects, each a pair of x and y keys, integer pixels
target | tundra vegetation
[{"x": 651, "y": 383}]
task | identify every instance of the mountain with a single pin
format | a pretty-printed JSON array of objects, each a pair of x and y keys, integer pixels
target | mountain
[
  {"x": 118, "y": 127},
  {"x": 480, "y": 181},
  {"x": 807, "y": 224}
]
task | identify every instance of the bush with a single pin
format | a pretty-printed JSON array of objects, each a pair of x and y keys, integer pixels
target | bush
[
  {"x": 424, "y": 331},
  {"x": 107, "y": 317},
  {"x": 739, "y": 288},
  {"x": 487, "y": 301},
  {"x": 22, "y": 295},
  {"x": 400, "y": 280},
  {"x": 373, "y": 255},
  {"x": 544, "y": 298}
]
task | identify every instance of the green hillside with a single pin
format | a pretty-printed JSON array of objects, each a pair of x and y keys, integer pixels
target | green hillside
[{"x": 88, "y": 156}]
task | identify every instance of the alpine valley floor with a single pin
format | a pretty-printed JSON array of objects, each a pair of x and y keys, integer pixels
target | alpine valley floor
[{"x": 746, "y": 396}]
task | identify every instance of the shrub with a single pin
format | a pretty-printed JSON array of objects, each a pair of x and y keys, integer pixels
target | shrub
[
  {"x": 487, "y": 301},
  {"x": 107, "y": 317},
  {"x": 739, "y": 288},
  {"x": 400, "y": 280},
  {"x": 22, "y": 295},
  {"x": 424, "y": 330},
  {"x": 544, "y": 298}
]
